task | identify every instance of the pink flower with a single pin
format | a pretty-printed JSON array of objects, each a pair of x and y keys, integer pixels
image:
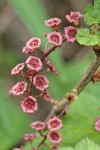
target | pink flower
[
  {"x": 38, "y": 125},
  {"x": 29, "y": 137},
  {"x": 55, "y": 38},
  {"x": 41, "y": 82},
  {"x": 53, "y": 22},
  {"x": 27, "y": 50},
  {"x": 34, "y": 43},
  {"x": 70, "y": 33},
  {"x": 46, "y": 95},
  {"x": 74, "y": 16},
  {"x": 29, "y": 104},
  {"x": 97, "y": 124},
  {"x": 54, "y": 137},
  {"x": 17, "y": 68},
  {"x": 54, "y": 124},
  {"x": 34, "y": 63},
  {"x": 19, "y": 88}
]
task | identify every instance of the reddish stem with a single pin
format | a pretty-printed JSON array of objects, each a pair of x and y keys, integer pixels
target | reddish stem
[
  {"x": 50, "y": 51},
  {"x": 42, "y": 141}
]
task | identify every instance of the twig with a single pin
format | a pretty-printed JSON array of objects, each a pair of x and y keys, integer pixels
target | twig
[
  {"x": 88, "y": 75},
  {"x": 63, "y": 105},
  {"x": 48, "y": 52},
  {"x": 42, "y": 141},
  {"x": 80, "y": 86}
]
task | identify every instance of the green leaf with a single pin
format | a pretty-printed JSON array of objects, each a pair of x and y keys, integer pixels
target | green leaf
[
  {"x": 65, "y": 148},
  {"x": 85, "y": 144},
  {"x": 88, "y": 9},
  {"x": 88, "y": 14},
  {"x": 79, "y": 123},
  {"x": 89, "y": 20},
  {"x": 92, "y": 14},
  {"x": 98, "y": 36},
  {"x": 85, "y": 38},
  {"x": 97, "y": 4}
]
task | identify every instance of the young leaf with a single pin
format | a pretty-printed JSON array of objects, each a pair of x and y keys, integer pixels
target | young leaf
[
  {"x": 85, "y": 144},
  {"x": 98, "y": 36},
  {"x": 85, "y": 38},
  {"x": 79, "y": 123},
  {"x": 97, "y": 4},
  {"x": 88, "y": 9},
  {"x": 92, "y": 14},
  {"x": 88, "y": 15}
]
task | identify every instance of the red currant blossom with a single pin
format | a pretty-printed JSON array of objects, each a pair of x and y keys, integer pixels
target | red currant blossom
[
  {"x": 97, "y": 124},
  {"x": 54, "y": 124},
  {"x": 34, "y": 43},
  {"x": 53, "y": 22},
  {"x": 74, "y": 16},
  {"x": 38, "y": 125},
  {"x": 29, "y": 104},
  {"x": 19, "y": 88},
  {"x": 34, "y": 63},
  {"x": 70, "y": 33},
  {"x": 29, "y": 137},
  {"x": 17, "y": 68},
  {"x": 41, "y": 82},
  {"x": 54, "y": 137},
  {"x": 55, "y": 38}
]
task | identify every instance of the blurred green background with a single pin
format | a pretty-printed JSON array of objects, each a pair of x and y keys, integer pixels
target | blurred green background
[{"x": 19, "y": 21}]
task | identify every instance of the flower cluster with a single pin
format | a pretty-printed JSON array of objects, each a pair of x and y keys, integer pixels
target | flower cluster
[
  {"x": 54, "y": 124},
  {"x": 55, "y": 38},
  {"x": 33, "y": 71}
]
